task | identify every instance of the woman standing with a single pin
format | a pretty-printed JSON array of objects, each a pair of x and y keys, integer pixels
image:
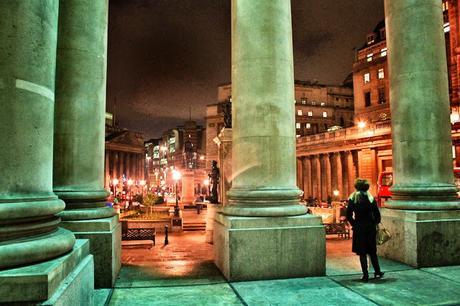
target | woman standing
[{"x": 363, "y": 215}]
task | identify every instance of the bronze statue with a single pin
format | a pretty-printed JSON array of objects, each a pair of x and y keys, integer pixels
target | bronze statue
[
  {"x": 214, "y": 178},
  {"x": 227, "y": 110}
]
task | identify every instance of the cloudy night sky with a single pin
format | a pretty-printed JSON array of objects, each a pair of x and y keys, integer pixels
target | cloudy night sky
[{"x": 167, "y": 55}]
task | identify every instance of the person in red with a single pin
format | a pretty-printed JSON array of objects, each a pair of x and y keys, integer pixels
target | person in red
[{"x": 364, "y": 216}]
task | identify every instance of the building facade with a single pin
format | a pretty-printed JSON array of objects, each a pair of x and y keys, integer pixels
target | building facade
[
  {"x": 331, "y": 161},
  {"x": 124, "y": 157}
]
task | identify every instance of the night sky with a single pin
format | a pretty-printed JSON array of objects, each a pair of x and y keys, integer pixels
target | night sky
[{"x": 167, "y": 55}]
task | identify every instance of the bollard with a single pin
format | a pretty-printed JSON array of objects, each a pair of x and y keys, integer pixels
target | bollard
[{"x": 166, "y": 235}]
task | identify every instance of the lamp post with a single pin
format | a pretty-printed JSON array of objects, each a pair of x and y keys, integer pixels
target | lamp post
[
  {"x": 130, "y": 183},
  {"x": 114, "y": 185},
  {"x": 176, "y": 178}
]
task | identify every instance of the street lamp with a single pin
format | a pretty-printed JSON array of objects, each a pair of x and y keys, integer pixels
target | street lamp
[
  {"x": 176, "y": 177},
  {"x": 361, "y": 125},
  {"x": 142, "y": 183},
  {"x": 114, "y": 185}
]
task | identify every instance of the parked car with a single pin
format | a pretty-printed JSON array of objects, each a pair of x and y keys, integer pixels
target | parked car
[{"x": 385, "y": 181}]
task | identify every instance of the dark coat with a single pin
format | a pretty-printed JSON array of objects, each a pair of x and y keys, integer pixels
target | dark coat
[{"x": 363, "y": 215}]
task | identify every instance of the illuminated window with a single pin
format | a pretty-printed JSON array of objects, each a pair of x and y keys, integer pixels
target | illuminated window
[
  {"x": 308, "y": 125},
  {"x": 299, "y": 112},
  {"x": 325, "y": 114},
  {"x": 381, "y": 74},
  {"x": 297, "y": 135},
  {"x": 445, "y": 6},
  {"x": 323, "y": 104},
  {"x": 310, "y": 114},
  {"x": 304, "y": 101},
  {"x": 369, "y": 57},
  {"x": 297, "y": 125},
  {"x": 367, "y": 78},
  {"x": 383, "y": 52}
]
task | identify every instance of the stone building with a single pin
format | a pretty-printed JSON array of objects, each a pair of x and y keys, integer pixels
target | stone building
[
  {"x": 318, "y": 108},
  {"x": 331, "y": 161},
  {"x": 124, "y": 157}
]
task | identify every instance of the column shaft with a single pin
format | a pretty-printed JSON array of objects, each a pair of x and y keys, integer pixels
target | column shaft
[
  {"x": 264, "y": 161},
  {"x": 29, "y": 230},
  {"x": 422, "y": 153},
  {"x": 80, "y": 109},
  {"x": 307, "y": 177}
]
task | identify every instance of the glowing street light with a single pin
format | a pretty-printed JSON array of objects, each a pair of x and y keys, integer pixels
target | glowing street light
[
  {"x": 176, "y": 175},
  {"x": 206, "y": 183},
  {"x": 361, "y": 125},
  {"x": 336, "y": 194}
]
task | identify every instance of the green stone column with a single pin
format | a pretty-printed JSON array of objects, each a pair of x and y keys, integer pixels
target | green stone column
[
  {"x": 79, "y": 136},
  {"x": 424, "y": 213},
  {"x": 263, "y": 215},
  {"x": 29, "y": 230},
  {"x": 419, "y": 95},
  {"x": 264, "y": 160}
]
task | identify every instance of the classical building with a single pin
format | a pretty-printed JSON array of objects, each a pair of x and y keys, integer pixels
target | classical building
[
  {"x": 318, "y": 108},
  {"x": 331, "y": 161}
]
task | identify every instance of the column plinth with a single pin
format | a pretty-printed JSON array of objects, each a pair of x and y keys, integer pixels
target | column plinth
[{"x": 79, "y": 141}]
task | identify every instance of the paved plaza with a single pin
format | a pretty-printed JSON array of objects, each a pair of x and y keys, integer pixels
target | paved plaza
[{"x": 183, "y": 273}]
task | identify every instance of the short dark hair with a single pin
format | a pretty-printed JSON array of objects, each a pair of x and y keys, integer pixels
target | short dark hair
[{"x": 361, "y": 184}]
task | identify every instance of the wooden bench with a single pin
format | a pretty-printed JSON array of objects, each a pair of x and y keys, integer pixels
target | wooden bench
[{"x": 137, "y": 236}]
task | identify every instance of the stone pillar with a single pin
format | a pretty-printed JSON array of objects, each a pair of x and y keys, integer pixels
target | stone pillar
[
  {"x": 316, "y": 177},
  {"x": 345, "y": 182},
  {"x": 338, "y": 172},
  {"x": 325, "y": 176},
  {"x": 263, "y": 215},
  {"x": 80, "y": 133},
  {"x": 142, "y": 164},
  {"x": 299, "y": 164},
  {"x": 29, "y": 232},
  {"x": 129, "y": 165},
  {"x": 115, "y": 173},
  {"x": 306, "y": 165},
  {"x": 426, "y": 215},
  {"x": 107, "y": 170},
  {"x": 351, "y": 172},
  {"x": 122, "y": 158},
  {"x": 188, "y": 187}
]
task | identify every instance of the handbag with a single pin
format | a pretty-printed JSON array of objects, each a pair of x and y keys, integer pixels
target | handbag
[{"x": 383, "y": 235}]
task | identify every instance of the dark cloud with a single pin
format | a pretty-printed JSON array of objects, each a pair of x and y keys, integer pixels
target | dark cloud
[{"x": 168, "y": 55}]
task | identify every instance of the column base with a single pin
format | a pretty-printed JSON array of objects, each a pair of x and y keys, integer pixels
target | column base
[
  {"x": 422, "y": 238},
  {"x": 105, "y": 245},
  {"x": 255, "y": 248},
  {"x": 67, "y": 280},
  {"x": 211, "y": 211}
]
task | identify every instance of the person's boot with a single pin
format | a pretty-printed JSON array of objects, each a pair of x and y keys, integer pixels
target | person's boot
[
  {"x": 363, "y": 261},
  {"x": 379, "y": 274},
  {"x": 365, "y": 277}
]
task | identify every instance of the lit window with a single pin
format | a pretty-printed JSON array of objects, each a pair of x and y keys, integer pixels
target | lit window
[
  {"x": 304, "y": 101},
  {"x": 313, "y": 103},
  {"x": 310, "y": 114},
  {"x": 308, "y": 125},
  {"x": 297, "y": 135},
  {"x": 381, "y": 74},
  {"x": 383, "y": 52},
  {"x": 325, "y": 114},
  {"x": 297, "y": 125},
  {"x": 445, "y": 6},
  {"x": 446, "y": 27},
  {"x": 299, "y": 112},
  {"x": 369, "y": 57},
  {"x": 323, "y": 104},
  {"x": 367, "y": 77}
]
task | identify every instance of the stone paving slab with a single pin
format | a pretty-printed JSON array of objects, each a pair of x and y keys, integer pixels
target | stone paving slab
[
  {"x": 101, "y": 296},
  {"x": 350, "y": 265},
  {"x": 298, "y": 291},
  {"x": 410, "y": 287},
  {"x": 215, "y": 295},
  {"x": 452, "y": 272},
  {"x": 176, "y": 273}
]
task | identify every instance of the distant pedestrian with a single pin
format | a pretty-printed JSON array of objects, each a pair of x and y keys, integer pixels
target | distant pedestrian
[{"x": 364, "y": 216}]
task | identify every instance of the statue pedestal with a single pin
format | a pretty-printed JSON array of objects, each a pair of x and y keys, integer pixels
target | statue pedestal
[{"x": 211, "y": 212}]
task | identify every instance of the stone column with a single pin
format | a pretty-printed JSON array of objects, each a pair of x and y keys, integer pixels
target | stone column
[
  {"x": 351, "y": 172},
  {"x": 29, "y": 232},
  {"x": 316, "y": 177},
  {"x": 345, "y": 182},
  {"x": 299, "y": 164},
  {"x": 325, "y": 176},
  {"x": 122, "y": 158},
  {"x": 338, "y": 173},
  {"x": 307, "y": 176},
  {"x": 107, "y": 170},
  {"x": 426, "y": 218},
  {"x": 80, "y": 132},
  {"x": 115, "y": 173},
  {"x": 264, "y": 164},
  {"x": 129, "y": 164}
]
